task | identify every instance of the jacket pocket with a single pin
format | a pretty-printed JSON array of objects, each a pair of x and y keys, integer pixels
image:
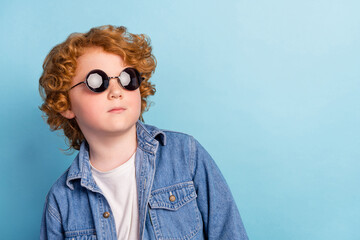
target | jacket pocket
[
  {"x": 87, "y": 234},
  {"x": 174, "y": 212}
]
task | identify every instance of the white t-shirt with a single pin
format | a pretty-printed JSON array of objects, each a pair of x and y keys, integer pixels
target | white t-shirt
[{"x": 119, "y": 188}]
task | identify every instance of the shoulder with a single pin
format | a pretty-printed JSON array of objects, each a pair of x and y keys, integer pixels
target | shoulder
[
  {"x": 184, "y": 148},
  {"x": 177, "y": 141},
  {"x": 170, "y": 137},
  {"x": 174, "y": 136},
  {"x": 58, "y": 190}
]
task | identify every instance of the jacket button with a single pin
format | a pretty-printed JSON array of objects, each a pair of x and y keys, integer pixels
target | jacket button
[
  {"x": 172, "y": 198},
  {"x": 106, "y": 214}
]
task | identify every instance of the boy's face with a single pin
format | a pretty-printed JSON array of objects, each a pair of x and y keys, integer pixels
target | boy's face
[{"x": 108, "y": 113}]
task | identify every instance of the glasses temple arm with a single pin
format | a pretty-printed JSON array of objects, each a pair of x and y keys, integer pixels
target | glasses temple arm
[{"x": 76, "y": 85}]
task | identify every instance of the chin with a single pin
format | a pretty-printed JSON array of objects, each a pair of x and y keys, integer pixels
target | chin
[{"x": 122, "y": 127}]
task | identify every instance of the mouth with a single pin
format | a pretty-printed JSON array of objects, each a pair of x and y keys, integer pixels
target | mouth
[{"x": 117, "y": 110}]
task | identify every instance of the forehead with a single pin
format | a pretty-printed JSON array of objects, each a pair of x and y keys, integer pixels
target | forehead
[{"x": 97, "y": 56}]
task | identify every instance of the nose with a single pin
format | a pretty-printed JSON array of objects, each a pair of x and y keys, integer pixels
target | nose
[{"x": 115, "y": 89}]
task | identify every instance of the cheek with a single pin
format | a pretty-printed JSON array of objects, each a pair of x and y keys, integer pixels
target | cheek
[
  {"x": 139, "y": 102},
  {"x": 136, "y": 102},
  {"x": 84, "y": 107},
  {"x": 136, "y": 98}
]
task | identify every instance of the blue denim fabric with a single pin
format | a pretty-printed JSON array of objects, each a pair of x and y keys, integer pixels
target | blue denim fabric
[{"x": 167, "y": 163}]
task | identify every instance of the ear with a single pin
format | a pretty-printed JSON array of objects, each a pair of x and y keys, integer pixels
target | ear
[{"x": 68, "y": 114}]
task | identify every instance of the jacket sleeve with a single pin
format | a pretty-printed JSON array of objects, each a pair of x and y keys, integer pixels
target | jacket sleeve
[
  {"x": 51, "y": 227},
  {"x": 219, "y": 211}
]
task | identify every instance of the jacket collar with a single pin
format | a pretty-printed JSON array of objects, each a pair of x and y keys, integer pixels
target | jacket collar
[{"x": 148, "y": 138}]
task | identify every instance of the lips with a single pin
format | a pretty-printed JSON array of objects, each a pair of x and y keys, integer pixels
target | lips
[{"x": 117, "y": 110}]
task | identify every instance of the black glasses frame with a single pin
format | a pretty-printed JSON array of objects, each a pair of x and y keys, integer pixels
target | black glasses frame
[{"x": 135, "y": 80}]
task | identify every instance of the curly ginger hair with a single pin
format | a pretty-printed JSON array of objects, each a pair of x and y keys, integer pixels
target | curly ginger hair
[{"x": 60, "y": 65}]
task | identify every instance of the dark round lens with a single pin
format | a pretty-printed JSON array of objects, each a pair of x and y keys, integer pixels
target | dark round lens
[
  {"x": 97, "y": 80},
  {"x": 130, "y": 79}
]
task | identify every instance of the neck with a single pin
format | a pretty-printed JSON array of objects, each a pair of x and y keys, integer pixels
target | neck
[{"x": 109, "y": 152}]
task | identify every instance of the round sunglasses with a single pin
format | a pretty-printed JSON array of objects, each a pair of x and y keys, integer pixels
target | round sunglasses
[{"x": 98, "y": 81}]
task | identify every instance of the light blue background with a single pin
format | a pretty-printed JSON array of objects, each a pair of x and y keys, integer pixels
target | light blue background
[{"x": 270, "y": 88}]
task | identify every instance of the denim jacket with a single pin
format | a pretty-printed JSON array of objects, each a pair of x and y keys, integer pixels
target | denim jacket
[{"x": 181, "y": 195}]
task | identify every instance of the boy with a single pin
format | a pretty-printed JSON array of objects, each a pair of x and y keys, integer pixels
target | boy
[{"x": 130, "y": 180}]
